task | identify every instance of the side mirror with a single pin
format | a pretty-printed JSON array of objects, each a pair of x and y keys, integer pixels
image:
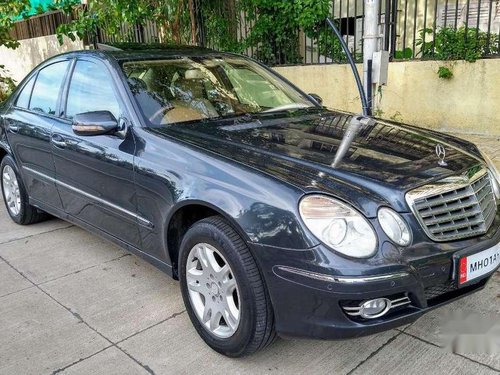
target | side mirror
[
  {"x": 94, "y": 123},
  {"x": 317, "y": 98}
]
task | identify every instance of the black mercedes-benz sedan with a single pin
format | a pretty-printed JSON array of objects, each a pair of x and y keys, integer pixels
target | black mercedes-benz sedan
[{"x": 277, "y": 215}]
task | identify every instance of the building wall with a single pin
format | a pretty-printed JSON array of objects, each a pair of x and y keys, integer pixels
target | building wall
[
  {"x": 32, "y": 52},
  {"x": 415, "y": 95}
]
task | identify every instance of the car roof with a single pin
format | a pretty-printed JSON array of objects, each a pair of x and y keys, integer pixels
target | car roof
[{"x": 144, "y": 54}]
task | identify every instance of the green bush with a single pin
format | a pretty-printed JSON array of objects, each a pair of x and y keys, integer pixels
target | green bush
[
  {"x": 405, "y": 54},
  {"x": 445, "y": 72},
  {"x": 7, "y": 84},
  {"x": 457, "y": 44}
]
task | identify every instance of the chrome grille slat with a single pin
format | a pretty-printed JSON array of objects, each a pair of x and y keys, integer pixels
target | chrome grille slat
[
  {"x": 448, "y": 208},
  {"x": 482, "y": 183},
  {"x": 452, "y": 217},
  {"x": 488, "y": 206},
  {"x": 481, "y": 194},
  {"x": 482, "y": 199},
  {"x": 454, "y": 226},
  {"x": 490, "y": 214},
  {"x": 442, "y": 200},
  {"x": 455, "y": 207}
]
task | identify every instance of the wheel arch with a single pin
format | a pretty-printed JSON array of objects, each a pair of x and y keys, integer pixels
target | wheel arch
[
  {"x": 3, "y": 153},
  {"x": 4, "y": 145},
  {"x": 183, "y": 216}
]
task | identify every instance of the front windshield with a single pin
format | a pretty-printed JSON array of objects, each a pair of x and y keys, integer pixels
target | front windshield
[{"x": 196, "y": 88}]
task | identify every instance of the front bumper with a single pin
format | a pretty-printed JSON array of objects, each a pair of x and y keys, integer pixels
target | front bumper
[{"x": 308, "y": 297}]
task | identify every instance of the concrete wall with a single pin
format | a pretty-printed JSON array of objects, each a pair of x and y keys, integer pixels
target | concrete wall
[
  {"x": 467, "y": 103},
  {"x": 32, "y": 52}
]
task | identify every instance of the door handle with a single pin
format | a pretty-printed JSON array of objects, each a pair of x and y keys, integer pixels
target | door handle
[
  {"x": 58, "y": 141},
  {"x": 13, "y": 128}
]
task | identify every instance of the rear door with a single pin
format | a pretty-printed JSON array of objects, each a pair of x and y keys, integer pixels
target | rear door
[
  {"x": 95, "y": 174},
  {"x": 29, "y": 124}
]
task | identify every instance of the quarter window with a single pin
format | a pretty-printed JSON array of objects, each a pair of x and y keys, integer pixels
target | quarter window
[
  {"x": 23, "y": 99},
  {"x": 91, "y": 89},
  {"x": 47, "y": 86}
]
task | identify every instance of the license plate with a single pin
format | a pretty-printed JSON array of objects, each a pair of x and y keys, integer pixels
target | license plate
[{"x": 480, "y": 264}]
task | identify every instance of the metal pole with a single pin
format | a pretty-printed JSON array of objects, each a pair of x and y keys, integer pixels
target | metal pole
[{"x": 370, "y": 43}]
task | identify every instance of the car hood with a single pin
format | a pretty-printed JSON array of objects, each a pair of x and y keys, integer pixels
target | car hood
[{"x": 384, "y": 159}]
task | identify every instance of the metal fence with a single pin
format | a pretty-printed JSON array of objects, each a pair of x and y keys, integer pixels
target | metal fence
[
  {"x": 426, "y": 26},
  {"x": 414, "y": 29},
  {"x": 410, "y": 29}
]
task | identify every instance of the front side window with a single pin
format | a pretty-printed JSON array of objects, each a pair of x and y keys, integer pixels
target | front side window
[
  {"x": 23, "y": 99},
  {"x": 197, "y": 88},
  {"x": 91, "y": 89},
  {"x": 47, "y": 86}
]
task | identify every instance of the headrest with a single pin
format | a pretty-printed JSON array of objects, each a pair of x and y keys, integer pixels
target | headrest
[{"x": 194, "y": 74}]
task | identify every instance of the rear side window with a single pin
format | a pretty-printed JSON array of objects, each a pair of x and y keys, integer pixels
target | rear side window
[
  {"x": 47, "y": 86},
  {"x": 23, "y": 99},
  {"x": 91, "y": 89}
]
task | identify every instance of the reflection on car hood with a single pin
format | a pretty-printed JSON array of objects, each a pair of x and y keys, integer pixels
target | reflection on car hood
[{"x": 302, "y": 149}]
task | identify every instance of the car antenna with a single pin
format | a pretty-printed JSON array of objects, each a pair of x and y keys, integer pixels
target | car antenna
[{"x": 364, "y": 102}]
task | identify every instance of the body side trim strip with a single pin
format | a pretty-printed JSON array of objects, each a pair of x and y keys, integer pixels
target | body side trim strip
[{"x": 141, "y": 220}]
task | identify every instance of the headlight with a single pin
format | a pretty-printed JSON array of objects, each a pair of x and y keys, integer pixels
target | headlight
[
  {"x": 338, "y": 225},
  {"x": 495, "y": 181},
  {"x": 394, "y": 226}
]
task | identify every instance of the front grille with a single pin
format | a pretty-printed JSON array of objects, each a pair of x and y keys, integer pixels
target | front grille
[{"x": 456, "y": 207}]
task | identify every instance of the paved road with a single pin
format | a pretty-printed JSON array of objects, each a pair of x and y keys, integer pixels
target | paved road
[{"x": 72, "y": 303}]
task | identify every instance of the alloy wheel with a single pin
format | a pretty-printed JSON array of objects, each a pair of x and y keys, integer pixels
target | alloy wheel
[
  {"x": 213, "y": 290},
  {"x": 11, "y": 191}
]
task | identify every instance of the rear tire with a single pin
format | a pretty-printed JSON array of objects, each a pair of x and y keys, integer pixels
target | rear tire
[
  {"x": 244, "y": 320},
  {"x": 15, "y": 196}
]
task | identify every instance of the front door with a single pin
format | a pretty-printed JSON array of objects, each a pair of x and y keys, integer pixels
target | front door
[
  {"x": 95, "y": 174},
  {"x": 29, "y": 124}
]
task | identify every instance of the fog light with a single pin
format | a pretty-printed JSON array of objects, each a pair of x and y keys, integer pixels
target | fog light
[{"x": 375, "y": 308}]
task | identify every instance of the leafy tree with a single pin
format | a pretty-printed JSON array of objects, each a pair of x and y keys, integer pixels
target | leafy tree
[
  {"x": 274, "y": 32},
  {"x": 9, "y": 9},
  {"x": 276, "y": 26},
  {"x": 221, "y": 24},
  {"x": 172, "y": 17}
]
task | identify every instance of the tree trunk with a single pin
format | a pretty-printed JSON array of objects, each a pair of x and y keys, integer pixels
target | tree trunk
[
  {"x": 176, "y": 26},
  {"x": 192, "y": 16}
]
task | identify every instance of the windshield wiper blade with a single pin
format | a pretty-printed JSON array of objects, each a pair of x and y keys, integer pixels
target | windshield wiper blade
[{"x": 286, "y": 107}]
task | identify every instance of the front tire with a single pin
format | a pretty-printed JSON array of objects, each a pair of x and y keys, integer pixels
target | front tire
[
  {"x": 223, "y": 289},
  {"x": 15, "y": 196}
]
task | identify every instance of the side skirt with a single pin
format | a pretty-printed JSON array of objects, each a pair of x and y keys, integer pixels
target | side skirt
[{"x": 162, "y": 266}]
